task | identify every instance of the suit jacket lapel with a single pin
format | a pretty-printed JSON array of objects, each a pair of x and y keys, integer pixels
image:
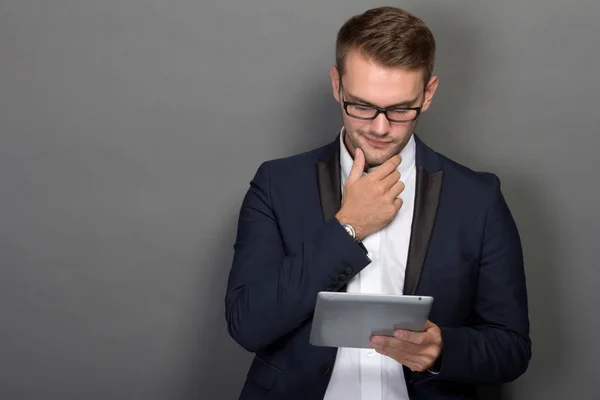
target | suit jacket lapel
[
  {"x": 329, "y": 181},
  {"x": 427, "y": 195}
]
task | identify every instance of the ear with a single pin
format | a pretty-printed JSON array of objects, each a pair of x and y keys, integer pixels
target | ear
[
  {"x": 429, "y": 92},
  {"x": 335, "y": 82}
]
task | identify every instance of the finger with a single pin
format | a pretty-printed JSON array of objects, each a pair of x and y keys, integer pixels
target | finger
[
  {"x": 358, "y": 167},
  {"x": 417, "y": 338},
  {"x": 411, "y": 360},
  {"x": 386, "y": 343},
  {"x": 398, "y": 204},
  {"x": 396, "y": 189},
  {"x": 414, "y": 363},
  {"x": 379, "y": 342},
  {"x": 430, "y": 325},
  {"x": 390, "y": 180},
  {"x": 387, "y": 167}
]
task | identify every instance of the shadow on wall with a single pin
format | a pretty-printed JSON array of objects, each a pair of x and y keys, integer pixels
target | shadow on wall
[{"x": 541, "y": 247}]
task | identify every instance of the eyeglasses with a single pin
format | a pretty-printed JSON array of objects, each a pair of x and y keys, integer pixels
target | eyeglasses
[{"x": 393, "y": 114}]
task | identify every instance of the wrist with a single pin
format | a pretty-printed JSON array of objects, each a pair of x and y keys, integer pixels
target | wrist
[
  {"x": 354, "y": 230},
  {"x": 437, "y": 365},
  {"x": 342, "y": 219}
]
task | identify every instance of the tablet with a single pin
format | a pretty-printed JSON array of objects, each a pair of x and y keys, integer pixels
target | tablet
[{"x": 350, "y": 319}]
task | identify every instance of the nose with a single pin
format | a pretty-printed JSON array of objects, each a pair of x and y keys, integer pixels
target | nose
[{"x": 380, "y": 125}]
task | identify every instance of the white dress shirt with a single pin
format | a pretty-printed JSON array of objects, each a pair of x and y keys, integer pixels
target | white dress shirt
[{"x": 364, "y": 374}]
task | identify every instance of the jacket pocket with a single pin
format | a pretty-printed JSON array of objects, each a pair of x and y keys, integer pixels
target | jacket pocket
[{"x": 263, "y": 373}]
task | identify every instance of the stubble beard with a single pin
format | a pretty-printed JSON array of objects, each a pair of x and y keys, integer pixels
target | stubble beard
[{"x": 375, "y": 160}]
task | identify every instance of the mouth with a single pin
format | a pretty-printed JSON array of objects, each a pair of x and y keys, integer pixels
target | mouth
[{"x": 377, "y": 143}]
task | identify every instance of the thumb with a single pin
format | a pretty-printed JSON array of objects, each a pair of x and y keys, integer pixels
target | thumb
[{"x": 358, "y": 167}]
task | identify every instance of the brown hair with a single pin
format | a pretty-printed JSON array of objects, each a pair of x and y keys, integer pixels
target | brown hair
[{"x": 389, "y": 36}]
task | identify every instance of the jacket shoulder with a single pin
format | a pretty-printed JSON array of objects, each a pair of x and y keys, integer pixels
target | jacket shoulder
[
  {"x": 472, "y": 181},
  {"x": 297, "y": 165}
]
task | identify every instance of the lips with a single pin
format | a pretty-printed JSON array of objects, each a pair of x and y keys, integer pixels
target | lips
[{"x": 376, "y": 143}]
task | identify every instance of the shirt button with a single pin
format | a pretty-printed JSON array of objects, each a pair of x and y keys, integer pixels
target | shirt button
[{"x": 371, "y": 354}]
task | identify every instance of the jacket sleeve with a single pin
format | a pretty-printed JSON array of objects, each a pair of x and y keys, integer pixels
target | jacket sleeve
[
  {"x": 270, "y": 292},
  {"x": 496, "y": 349}
]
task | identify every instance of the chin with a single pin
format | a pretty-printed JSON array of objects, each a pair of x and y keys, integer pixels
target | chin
[
  {"x": 374, "y": 156},
  {"x": 377, "y": 156},
  {"x": 374, "y": 159}
]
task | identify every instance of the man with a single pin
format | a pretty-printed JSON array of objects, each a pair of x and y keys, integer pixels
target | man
[{"x": 378, "y": 211}]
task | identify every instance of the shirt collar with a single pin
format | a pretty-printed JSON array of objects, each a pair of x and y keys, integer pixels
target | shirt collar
[{"x": 407, "y": 154}]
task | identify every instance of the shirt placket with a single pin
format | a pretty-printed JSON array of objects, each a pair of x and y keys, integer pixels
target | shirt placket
[{"x": 370, "y": 360}]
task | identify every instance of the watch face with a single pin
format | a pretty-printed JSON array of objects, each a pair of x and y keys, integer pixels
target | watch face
[{"x": 349, "y": 230}]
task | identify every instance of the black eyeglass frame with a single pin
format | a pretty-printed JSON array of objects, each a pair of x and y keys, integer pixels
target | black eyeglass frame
[{"x": 379, "y": 110}]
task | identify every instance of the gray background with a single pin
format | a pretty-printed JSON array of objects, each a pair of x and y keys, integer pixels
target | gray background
[{"x": 129, "y": 131}]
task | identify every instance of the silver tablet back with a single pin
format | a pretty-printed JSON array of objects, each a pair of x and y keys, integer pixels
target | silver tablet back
[{"x": 350, "y": 319}]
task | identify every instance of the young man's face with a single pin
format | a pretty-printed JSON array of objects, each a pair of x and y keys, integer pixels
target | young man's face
[{"x": 369, "y": 84}]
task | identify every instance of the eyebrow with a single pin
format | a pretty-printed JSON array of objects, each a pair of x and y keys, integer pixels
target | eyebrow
[{"x": 406, "y": 103}]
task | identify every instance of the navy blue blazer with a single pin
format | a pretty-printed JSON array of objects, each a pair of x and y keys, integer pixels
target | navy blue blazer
[{"x": 465, "y": 251}]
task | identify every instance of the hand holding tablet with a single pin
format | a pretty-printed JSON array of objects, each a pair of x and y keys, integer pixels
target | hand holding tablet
[{"x": 351, "y": 319}]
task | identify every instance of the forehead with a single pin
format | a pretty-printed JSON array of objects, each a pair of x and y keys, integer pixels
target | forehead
[{"x": 379, "y": 84}]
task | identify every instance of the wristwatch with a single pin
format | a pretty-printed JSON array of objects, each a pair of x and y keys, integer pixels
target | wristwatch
[
  {"x": 350, "y": 231},
  {"x": 352, "y": 234}
]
